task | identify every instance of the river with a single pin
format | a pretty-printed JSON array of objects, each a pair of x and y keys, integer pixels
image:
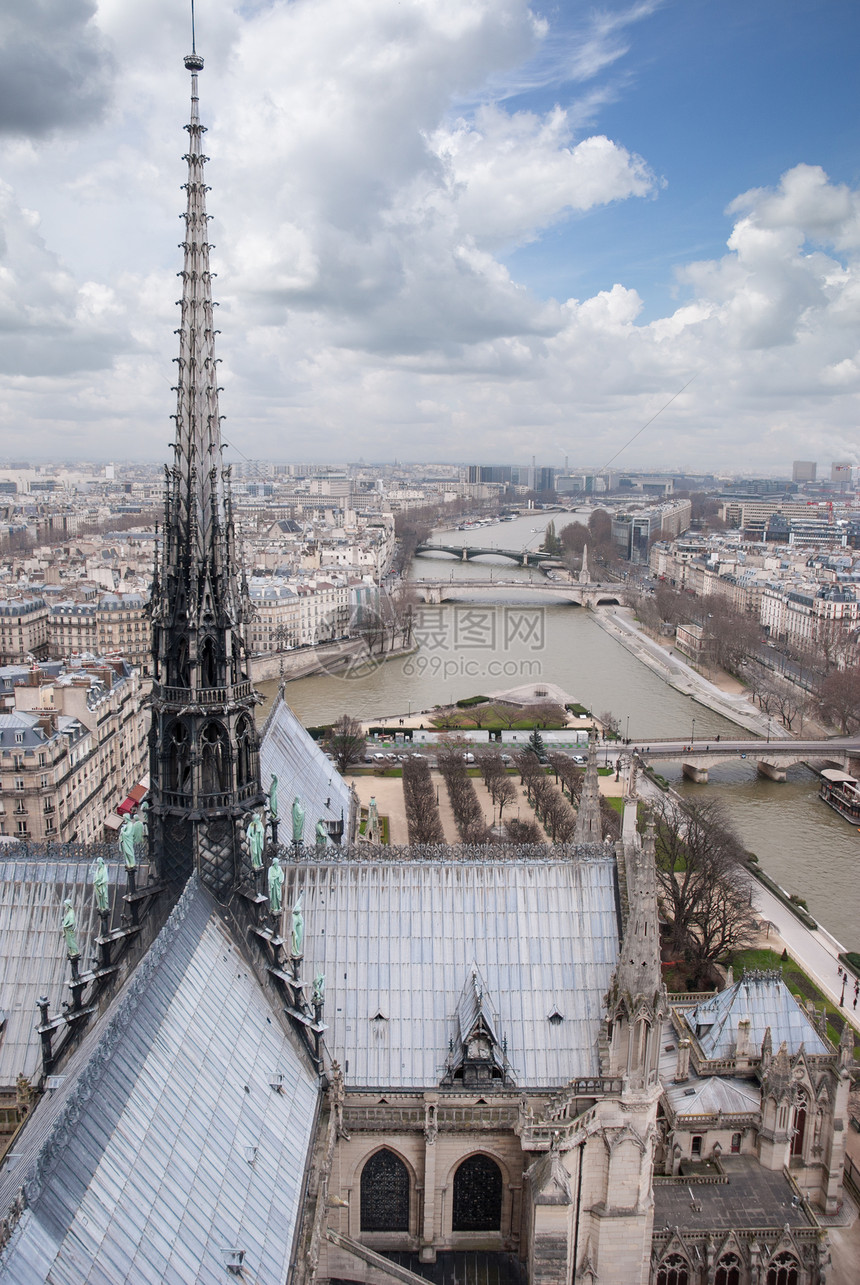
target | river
[{"x": 510, "y": 638}]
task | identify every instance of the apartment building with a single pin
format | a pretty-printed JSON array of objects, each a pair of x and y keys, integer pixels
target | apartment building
[
  {"x": 24, "y": 630},
  {"x": 72, "y": 746}
]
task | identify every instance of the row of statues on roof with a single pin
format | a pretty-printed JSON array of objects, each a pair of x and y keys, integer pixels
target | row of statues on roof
[
  {"x": 101, "y": 893},
  {"x": 256, "y": 830}
]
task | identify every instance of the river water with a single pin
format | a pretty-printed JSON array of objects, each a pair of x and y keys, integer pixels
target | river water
[{"x": 510, "y": 638}]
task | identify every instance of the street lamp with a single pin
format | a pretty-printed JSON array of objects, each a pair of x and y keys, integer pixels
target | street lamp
[
  {"x": 768, "y": 729},
  {"x": 693, "y": 733},
  {"x": 627, "y": 732}
]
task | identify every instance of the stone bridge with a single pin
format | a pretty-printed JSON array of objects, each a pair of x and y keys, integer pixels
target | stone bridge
[
  {"x": 465, "y": 553},
  {"x": 772, "y": 757},
  {"x": 587, "y": 594}
]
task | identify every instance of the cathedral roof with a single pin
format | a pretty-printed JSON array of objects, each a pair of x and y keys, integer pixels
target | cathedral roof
[
  {"x": 167, "y": 1145},
  {"x": 398, "y": 940},
  {"x": 292, "y": 754},
  {"x": 765, "y": 999},
  {"x": 34, "y": 961}
]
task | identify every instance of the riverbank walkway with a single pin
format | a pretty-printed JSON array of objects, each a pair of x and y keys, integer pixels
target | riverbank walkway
[{"x": 673, "y": 669}]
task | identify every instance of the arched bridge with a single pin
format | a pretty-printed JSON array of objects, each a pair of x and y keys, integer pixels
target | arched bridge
[
  {"x": 772, "y": 757},
  {"x": 466, "y": 553},
  {"x": 580, "y": 595}
]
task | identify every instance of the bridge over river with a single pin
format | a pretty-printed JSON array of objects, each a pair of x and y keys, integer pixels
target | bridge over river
[
  {"x": 773, "y": 756},
  {"x": 580, "y": 594},
  {"x": 466, "y": 552}
]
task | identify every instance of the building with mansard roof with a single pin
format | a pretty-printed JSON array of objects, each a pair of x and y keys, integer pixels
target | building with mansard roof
[{"x": 263, "y": 1049}]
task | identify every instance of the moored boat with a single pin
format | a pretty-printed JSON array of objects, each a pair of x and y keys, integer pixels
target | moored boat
[{"x": 842, "y": 793}]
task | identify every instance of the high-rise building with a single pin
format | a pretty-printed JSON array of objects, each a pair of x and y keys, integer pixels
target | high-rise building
[{"x": 803, "y": 471}]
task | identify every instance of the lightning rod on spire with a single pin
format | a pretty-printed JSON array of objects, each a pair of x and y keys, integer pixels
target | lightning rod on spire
[{"x": 193, "y": 61}]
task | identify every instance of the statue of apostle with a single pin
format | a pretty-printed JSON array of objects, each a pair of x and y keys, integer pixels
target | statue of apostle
[
  {"x": 256, "y": 835},
  {"x": 276, "y": 885}
]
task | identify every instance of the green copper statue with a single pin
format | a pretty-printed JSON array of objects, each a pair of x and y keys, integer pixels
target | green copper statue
[
  {"x": 100, "y": 885},
  {"x": 297, "y": 940},
  {"x": 319, "y": 989},
  {"x": 69, "y": 928},
  {"x": 139, "y": 828},
  {"x": 127, "y": 842},
  {"x": 273, "y": 799},
  {"x": 321, "y": 833},
  {"x": 298, "y": 820},
  {"x": 276, "y": 885},
  {"x": 256, "y": 840}
]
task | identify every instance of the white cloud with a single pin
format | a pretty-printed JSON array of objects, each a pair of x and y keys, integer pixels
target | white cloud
[{"x": 360, "y": 213}]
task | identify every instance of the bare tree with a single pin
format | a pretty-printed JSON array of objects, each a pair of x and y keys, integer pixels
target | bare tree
[
  {"x": 422, "y": 812},
  {"x": 519, "y": 831},
  {"x": 346, "y": 742},
  {"x": 610, "y": 724},
  {"x": 702, "y": 881},
  {"x": 839, "y": 697}
]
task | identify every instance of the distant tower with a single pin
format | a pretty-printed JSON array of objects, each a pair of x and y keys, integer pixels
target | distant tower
[{"x": 204, "y": 763}]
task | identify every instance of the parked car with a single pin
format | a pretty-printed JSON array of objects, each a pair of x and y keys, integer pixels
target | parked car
[
  {"x": 468, "y": 757},
  {"x": 580, "y": 759},
  {"x": 506, "y": 758}
]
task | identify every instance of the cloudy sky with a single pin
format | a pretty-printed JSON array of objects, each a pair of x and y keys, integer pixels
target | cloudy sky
[{"x": 464, "y": 230}]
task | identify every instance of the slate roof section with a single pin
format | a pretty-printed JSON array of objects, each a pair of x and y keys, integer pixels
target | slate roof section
[
  {"x": 136, "y": 1169},
  {"x": 33, "y": 958},
  {"x": 767, "y": 1002},
  {"x": 401, "y": 939},
  {"x": 302, "y": 769},
  {"x": 704, "y": 1095}
]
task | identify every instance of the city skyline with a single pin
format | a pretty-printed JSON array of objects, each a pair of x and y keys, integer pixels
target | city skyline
[{"x": 481, "y": 229}]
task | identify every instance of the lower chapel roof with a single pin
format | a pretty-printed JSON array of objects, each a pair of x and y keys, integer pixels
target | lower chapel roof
[{"x": 166, "y": 1144}]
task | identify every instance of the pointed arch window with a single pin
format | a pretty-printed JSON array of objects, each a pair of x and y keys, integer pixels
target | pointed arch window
[
  {"x": 180, "y": 675},
  {"x": 244, "y": 753},
  {"x": 178, "y": 760},
  {"x": 798, "y": 1129},
  {"x": 385, "y": 1193},
  {"x": 783, "y": 1270},
  {"x": 215, "y": 767},
  {"x": 674, "y": 1270},
  {"x": 208, "y": 663},
  {"x": 728, "y": 1270},
  {"x": 477, "y": 1195}
]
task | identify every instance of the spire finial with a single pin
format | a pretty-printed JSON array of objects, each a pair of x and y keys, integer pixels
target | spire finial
[{"x": 193, "y": 61}]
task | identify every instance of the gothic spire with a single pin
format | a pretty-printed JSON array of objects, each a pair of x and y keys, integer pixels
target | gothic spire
[
  {"x": 204, "y": 749},
  {"x": 588, "y": 826},
  {"x": 198, "y": 538}
]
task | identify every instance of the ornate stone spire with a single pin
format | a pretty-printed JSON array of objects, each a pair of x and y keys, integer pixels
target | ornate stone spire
[
  {"x": 588, "y": 827},
  {"x": 204, "y": 748}
]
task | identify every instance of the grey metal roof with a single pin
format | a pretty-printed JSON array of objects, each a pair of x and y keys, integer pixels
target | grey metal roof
[
  {"x": 401, "y": 940},
  {"x": 704, "y": 1095},
  {"x": 767, "y": 1002},
  {"x": 33, "y": 958},
  {"x": 302, "y": 769},
  {"x": 137, "y": 1167}
]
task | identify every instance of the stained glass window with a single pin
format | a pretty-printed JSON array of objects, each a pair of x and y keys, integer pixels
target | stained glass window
[
  {"x": 728, "y": 1270},
  {"x": 385, "y": 1193},
  {"x": 478, "y": 1195},
  {"x": 783, "y": 1270},
  {"x": 674, "y": 1270}
]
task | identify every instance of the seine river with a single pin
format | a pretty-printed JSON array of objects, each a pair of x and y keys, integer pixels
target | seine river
[{"x": 509, "y": 638}]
